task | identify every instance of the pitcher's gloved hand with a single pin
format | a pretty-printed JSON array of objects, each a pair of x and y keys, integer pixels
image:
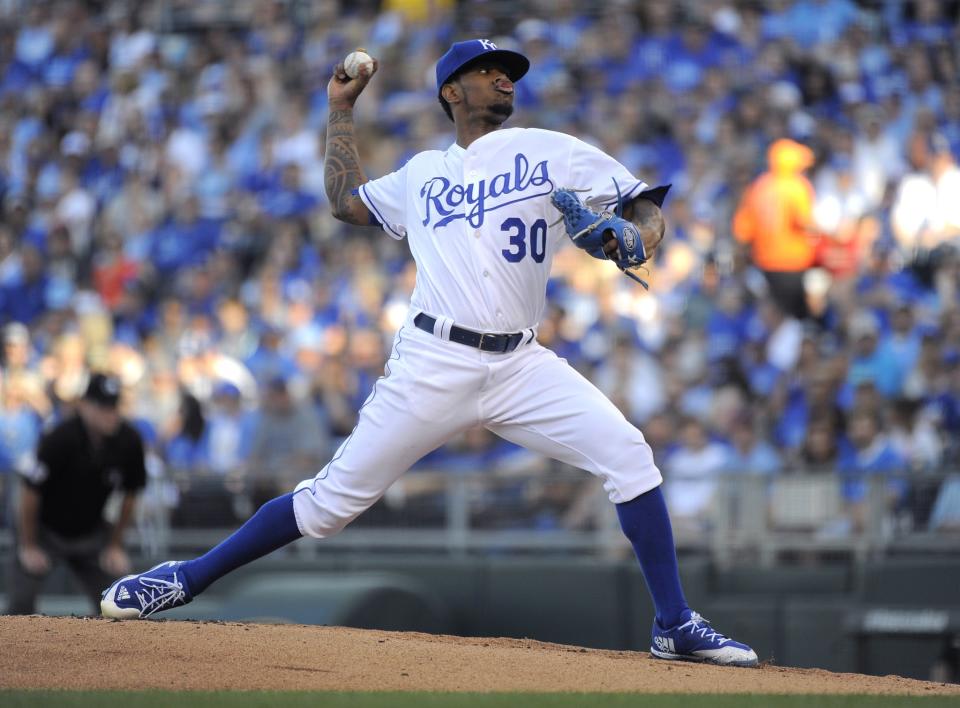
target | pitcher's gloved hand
[{"x": 603, "y": 234}]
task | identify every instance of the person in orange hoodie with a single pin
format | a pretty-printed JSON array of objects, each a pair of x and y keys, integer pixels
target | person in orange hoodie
[{"x": 775, "y": 216}]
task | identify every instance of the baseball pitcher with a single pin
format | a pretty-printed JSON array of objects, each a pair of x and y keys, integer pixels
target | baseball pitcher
[{"x": 483, "y": 220}]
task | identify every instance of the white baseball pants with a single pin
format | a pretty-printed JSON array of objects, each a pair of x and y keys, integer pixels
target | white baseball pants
[{"x": 434, "y": 389}]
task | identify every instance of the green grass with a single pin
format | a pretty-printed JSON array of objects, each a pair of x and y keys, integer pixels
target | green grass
[{"x": 318, "y": 699}]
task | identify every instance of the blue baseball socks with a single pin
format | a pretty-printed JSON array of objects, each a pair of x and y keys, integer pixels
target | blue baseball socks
[
  {"x": 272, "y": 527},
  {"x": 645, "y": 522}
]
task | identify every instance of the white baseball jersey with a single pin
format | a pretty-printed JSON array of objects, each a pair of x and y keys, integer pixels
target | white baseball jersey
[
  {"x": 478, "y": 220},
  {"x": 478, "y": 223}
]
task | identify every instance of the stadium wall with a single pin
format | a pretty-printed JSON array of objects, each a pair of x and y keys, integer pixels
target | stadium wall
[{"x": 896, "y": 616}]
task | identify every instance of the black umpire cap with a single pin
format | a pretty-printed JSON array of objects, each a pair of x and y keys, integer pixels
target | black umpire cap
[{"x": 103, "y": 390}]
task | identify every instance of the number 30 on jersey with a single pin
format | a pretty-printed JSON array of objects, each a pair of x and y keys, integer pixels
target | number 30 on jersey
[{"x": 518, "y": 231}]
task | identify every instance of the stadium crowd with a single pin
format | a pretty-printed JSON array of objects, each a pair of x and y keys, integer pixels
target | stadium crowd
[{"x": 163, "y": 218}]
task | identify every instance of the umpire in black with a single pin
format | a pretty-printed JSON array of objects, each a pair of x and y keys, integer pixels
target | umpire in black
[{"x": 79, "y": 463}]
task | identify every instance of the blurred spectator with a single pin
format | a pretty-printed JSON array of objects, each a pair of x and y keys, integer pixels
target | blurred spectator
[
  {"x": 727, "y": 321},
  {"x": 184, "y": 436},
  {"x": 871, "y": 453},
  {"x": 838, "y": 213},
  {"x": 20, "y": 369},
  {"x": 76, "y": 209},
  {"x": 183, "y": 239},
  {"x": 66, "y": 367},
  {"x": 288, "y": 199},
  {"x": 902, "y": 339},
  {"x": 877, "y": 156},
  {"x": 228, "y": 433},
  {"x": 132, "y": 211},
  {"x": 19, "y": 426},
  {"x": 660, "y": 432},
  {"x": 784, "y": 336},
  {"x": 632, "y": 379},
  {"x": 871, "y": 361},
  {"x": 692, "y": 474},
  {"x": 775, "y": 218},
  {"x": 237, "y": 336},
  {"x": 915, "y": 436},
  {"x": 290, "y": 443},
  {"x": 820, "y": 449},
  {"x": 926, "y": 210},
  {"x": 945, "y": 404},
  {"x": 24, "y": 298},
  {"x": 113, "y": 270},
  {"x": 924, "y": 377},
  {"x": 751, "y": 453},
  {"x": 268, "y": 359}
]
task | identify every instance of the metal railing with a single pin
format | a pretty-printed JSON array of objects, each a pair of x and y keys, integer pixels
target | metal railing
[{"x": 561, "y": 510}]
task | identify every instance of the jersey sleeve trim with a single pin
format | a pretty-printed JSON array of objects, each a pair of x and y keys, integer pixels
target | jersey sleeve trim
[
  {"x": 626, "y": 196},
  {"x": 379, "y": 216},
  {"x": 373, "y": 219}
]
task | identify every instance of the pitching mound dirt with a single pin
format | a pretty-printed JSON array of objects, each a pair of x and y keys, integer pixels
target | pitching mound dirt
[{"x": 54, "y": 652}]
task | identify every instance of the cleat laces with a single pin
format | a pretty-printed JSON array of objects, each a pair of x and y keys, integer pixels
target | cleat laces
[
  {"x": 158, "y": 594},
  {"x": 697, "y": 624}
]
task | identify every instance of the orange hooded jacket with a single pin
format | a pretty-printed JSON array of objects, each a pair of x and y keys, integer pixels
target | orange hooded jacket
[{"x": 776, "y": 211}]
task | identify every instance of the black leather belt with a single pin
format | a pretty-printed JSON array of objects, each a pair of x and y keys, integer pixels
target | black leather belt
[{"x": 501, "y": 343}]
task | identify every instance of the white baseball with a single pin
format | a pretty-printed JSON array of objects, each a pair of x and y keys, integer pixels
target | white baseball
[{"x": 355, "y": 60}]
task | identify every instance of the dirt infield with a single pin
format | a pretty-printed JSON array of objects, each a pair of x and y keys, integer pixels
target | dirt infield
[{"x": 51, "y": 652}]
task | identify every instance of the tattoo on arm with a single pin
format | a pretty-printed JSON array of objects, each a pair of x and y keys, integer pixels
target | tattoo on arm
[{"x": 341, "y": 169}]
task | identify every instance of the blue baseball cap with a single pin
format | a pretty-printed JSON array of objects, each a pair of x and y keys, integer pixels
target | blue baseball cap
[{"x": 462, "y": 53}]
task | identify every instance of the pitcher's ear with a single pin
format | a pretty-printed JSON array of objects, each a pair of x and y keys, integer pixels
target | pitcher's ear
[{"x": 450, "y": 92}]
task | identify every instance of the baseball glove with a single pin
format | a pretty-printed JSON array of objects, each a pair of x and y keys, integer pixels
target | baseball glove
[{"x": 590, "y": 228}]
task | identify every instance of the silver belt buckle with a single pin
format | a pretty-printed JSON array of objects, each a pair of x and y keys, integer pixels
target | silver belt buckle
[{"x": 482, "y": 335}]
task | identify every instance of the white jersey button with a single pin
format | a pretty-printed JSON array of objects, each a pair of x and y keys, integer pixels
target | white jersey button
[
  {"x": 476, "y": 233},
  {"x": 486, "y": 274}
]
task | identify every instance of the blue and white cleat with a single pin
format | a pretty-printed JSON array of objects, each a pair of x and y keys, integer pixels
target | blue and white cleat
[
  {"x": 138, "y": 596},
  {"x": 696, "y": 640}
]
